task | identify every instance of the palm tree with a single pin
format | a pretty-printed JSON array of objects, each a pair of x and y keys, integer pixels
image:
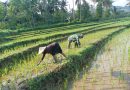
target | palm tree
[
  {"x": 63, "y": 5},
  {"x": 63, "y": 9},
  {"x": 105, "y": 3},
  {"x": 73, "y": 11},
  {"x": 5, "y": 9},
  {"x": 78, "y": 3}
]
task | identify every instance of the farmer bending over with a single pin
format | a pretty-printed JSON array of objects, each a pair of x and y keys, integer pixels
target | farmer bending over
[
  {"x": 52, "y": 49},
  {"x": 74, "y": 38}
]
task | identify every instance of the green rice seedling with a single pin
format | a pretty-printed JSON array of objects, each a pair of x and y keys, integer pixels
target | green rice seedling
[
  {"x": 83, "y": 54},
  {"x": 65, "y": 31},
  {"x": 28, "y": 61}
]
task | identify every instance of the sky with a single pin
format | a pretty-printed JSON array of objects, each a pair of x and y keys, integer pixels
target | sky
[
  {"x": 116, "y": 3},
  {"x": 120, "y": 2},
  {"x": 3, "y": 0}
]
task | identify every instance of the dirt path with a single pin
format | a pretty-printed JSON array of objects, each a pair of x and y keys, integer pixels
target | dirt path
[{"x": 111, "y": 70}]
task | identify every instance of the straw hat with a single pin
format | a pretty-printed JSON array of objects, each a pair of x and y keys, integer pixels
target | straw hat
[{"x": 41, "y": 49}]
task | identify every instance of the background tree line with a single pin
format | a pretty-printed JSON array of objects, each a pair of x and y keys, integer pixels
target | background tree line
[{"x": 32, "y": 13}]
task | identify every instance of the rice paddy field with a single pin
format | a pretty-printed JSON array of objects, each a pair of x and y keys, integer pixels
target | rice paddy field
[{"x": 102, "y": 62}]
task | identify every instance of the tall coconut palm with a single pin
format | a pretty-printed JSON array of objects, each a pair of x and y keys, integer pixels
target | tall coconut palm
[
  {"x": 73, "y": 10},
  {"x": 63, "y": 9},
  {"x": 5, "y": 9},
  {"x": 105, "y": 3},
  {"x": 78, "y": 3}
]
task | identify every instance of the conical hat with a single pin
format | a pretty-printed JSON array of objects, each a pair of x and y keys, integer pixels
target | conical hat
[{"x": 41, "y": 49}]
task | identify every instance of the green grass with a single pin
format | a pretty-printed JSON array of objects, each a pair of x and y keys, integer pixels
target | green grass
[
  {"x": 129, "y": 54},
  {"x": 19, "y": 49},
  {"x": 78, "y": 61},
  {"x": 7, "y": 51},
  {"x": 42, "y": 34},
  {"x": 16, "y": 37},
  {"x": 24, "y": 67},
  {"x": 6, "y": 48},
  {"x": 19, "y": 55}
]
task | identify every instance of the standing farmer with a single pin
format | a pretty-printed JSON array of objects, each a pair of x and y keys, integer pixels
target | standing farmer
[
  {"x": 74, "y": 38},
  {"x": 52, "y": 49}
]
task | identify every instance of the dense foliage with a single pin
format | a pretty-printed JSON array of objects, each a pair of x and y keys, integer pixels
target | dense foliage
[{"x": 32, "y": 13}]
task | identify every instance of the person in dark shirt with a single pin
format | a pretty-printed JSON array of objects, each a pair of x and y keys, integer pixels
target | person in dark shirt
[
  {"x": 74, "y": 38},
  {"x": 53, "y": 49}
]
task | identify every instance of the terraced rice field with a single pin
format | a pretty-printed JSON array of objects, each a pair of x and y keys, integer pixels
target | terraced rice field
[
  {"x": 19, "y": 48},
  {"x": 111, "y": 70}
]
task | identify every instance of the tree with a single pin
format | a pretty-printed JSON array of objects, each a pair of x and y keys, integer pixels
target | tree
[
  {"x": 2, "y": 15},
  {"x": 63, "y": 10},
  {"x": 107, "y": 13},
  {"x": 105, "y": 6},
  {"x": 85, "y": 11},
  {"x": 81, "y": 4},
  {"x": 99, "y": 11},
  {"x": 105, "y": 3},
  {"x": 78, "y": 3},
  {"x": 22, "y": 11},
  {"x": 114, "y": 11},
  {"x": 73, "y": 11},
  {"x": 31, "y": 13}
]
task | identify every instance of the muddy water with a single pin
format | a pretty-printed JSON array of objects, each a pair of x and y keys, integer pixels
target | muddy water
[{"x": 111, "y": 70}]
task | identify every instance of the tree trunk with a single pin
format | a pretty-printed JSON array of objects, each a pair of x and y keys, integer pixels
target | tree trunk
[
  {"x": 80, "y": 10},
  {"x": 73, "y": 11}
]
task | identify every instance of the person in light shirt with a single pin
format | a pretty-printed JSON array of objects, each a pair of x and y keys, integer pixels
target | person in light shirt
[{"x": 74, "y": 38}]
